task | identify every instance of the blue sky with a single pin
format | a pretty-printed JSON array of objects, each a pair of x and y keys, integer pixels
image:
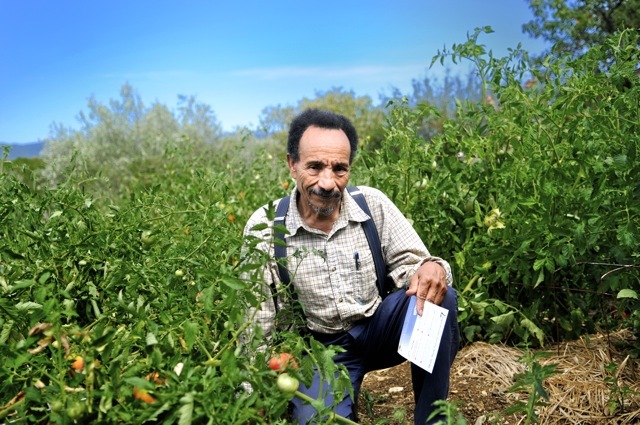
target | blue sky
[{"x": 236, "y": 56}]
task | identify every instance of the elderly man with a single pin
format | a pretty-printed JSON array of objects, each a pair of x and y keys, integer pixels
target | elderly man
[{"x": 335, "y": 280}]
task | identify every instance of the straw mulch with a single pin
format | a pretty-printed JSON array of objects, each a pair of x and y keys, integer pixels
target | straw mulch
[{"x": 578, "y": 394}]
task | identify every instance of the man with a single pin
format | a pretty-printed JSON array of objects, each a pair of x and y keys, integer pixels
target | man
[{"x": 335, "y": 278}]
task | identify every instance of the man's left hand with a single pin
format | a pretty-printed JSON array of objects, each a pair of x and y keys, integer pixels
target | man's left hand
[{"x": 429, "y": 283}]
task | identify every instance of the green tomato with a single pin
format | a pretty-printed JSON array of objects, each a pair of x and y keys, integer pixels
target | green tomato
[
  {"x": 147, "y": 238},
  {"x": 287, "y": 383},
  {"x": 56, "y": 405},
  {"x": 75, "y": 410}
]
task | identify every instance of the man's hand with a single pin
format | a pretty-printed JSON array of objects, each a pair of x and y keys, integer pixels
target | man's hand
[{"x": 429, "y": 283}]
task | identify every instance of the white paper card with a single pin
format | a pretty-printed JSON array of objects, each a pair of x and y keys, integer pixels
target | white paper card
[{"x": 421, "y": 335}]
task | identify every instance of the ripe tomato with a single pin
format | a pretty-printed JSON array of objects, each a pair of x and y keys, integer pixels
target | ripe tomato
[
  {"x": 283, "y": 361},
  {"x": 142, "y": 394},
  {"x": 287, "y": 383},
  {"x": 78, "y": 364}
]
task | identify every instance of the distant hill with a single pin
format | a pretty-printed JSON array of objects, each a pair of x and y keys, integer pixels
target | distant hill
[{"x": 27, "y": 150}]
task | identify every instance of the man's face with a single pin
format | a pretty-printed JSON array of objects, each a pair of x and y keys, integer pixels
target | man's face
[{"x": 322, "y": 172}]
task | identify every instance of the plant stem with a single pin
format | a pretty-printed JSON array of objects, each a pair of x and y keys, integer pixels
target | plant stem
[{"x": 332, "y": 416}]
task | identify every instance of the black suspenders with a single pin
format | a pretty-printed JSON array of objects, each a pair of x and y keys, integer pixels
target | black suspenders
[{"x": 368, "y": 226}]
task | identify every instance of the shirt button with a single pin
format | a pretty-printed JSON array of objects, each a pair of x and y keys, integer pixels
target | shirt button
[
  {"x": 340, "y": 300},
  {"x": 333, "y": 269}
]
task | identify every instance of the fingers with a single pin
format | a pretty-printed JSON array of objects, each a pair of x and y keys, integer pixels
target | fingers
[
  {"x": 429, "y": 285},
  {"x": 428, "y": 296}
]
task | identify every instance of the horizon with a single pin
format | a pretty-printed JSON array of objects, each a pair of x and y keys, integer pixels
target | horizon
[{"x": 238, "y": 59}]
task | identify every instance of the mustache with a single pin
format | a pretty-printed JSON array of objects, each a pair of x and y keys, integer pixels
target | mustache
[{"x": 329, "y": 194}]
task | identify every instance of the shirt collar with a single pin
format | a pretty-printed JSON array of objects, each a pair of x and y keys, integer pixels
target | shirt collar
[{"x": 349, "y": 211}]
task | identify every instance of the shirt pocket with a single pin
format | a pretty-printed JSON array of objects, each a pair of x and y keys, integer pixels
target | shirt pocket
[{"x": 364, "y": 272}]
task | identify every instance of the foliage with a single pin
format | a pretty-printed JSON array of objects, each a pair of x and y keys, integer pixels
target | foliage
[
  {"x": 26, "y": 170},
  {"x": 451, "y": 412},
  {"x": 145, "y": 291},
  {"x": 532, "y": 382},
  {"x": 532, "y": 195},
  {"x": 573, "y": 27},
  {"x": 619, "y": 392}
]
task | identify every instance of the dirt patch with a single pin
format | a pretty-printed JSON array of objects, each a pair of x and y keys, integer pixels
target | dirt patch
[{"x": 581, "y": 393}]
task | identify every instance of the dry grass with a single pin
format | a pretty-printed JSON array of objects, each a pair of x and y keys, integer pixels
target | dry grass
[{"x": 579, "y": 393}]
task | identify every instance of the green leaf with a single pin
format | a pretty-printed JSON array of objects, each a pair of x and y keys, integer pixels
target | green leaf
[
  {"x": 540, "y": 278},
  {"x": 533, "y": 329},
  {"x": 186, "y": 410},
  {"x": 505, "y": 319},
  {"x": 151, "y": 339},
  {"x": 258, "y": 227},
  {"x": 6, "y": 331},
  {"x": 539, "y": 264},
  {"x": 233, "y": 282},
  {"x": 191, "y": 331},
  {"x": 470, "y": 332},
  {"x": 627, "y": 293},
  {"x": 139, "y": 382},
  {"x": 20, "y": 284},
  {"x": 45, "y": 276},
  {"x": 478, "y": 307},
  {"x": 28, "y": 305}
]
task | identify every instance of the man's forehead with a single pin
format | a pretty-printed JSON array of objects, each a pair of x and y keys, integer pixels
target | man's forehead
[
  {"x": 324, "y": 143},
  {"x": 324, "y": 155}
]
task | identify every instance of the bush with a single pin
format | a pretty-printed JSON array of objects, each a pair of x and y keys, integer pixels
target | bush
[
  {"x": 532, "y": 192},
  {"x": 145, "y": 292}
]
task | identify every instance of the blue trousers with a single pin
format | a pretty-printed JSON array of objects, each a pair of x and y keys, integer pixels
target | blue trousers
[{"x": 372, "y": 344}]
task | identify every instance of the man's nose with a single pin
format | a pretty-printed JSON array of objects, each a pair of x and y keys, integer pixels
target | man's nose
[{"x": 327, "y": 179}]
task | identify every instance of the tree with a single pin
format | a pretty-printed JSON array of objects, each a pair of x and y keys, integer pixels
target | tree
[
  {"x": 573, "y": 26},
  {"x": 444, "y": 95},
  {"x": 366, "y": 117},
  {"x": 119, "y": 141}
]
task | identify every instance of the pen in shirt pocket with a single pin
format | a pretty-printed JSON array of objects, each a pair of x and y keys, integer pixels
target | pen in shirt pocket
[{"x": 356, "y": 259}]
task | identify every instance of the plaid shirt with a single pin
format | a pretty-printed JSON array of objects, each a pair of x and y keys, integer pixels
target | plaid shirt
[{"x": 335, "y": 290}]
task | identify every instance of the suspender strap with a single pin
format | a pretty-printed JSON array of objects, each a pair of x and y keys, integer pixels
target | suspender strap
[
  {"x": 368, "y": 226},
  {"x": 373, "y": 239}
]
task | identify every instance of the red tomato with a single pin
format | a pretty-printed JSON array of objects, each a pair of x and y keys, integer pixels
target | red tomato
[
  {"x": 283, "y": 361},
  {"x": 78, "y": 364}
]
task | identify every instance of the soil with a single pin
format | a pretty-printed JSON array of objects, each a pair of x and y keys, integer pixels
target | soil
[
  {"x": 387, "y": 394},
  {"x": 580, "y": 393}
]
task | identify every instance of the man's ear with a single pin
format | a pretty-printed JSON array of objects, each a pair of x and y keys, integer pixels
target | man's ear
[{"x": 292, "y": 167}]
